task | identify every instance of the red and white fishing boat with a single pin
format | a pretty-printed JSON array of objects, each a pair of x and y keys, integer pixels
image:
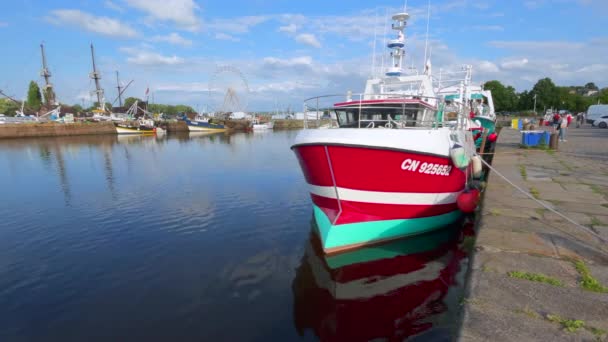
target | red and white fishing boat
[{"x": 394, "y": 167}]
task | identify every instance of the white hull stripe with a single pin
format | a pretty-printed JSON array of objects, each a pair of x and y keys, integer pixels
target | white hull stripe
[{"x": 411, "y": 198}]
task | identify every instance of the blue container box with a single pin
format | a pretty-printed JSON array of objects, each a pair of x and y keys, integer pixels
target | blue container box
[
  {"x": 533, "y": 138},
  {"x": 546, "y": 138},
  {"x": 520, "y": 124}
]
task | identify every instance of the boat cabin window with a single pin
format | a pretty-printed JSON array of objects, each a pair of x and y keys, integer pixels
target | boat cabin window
[{"x": 376, "y": 116}]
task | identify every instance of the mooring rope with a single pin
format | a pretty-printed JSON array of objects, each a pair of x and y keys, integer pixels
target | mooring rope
[
  {"x": 534, "y": 150},
  {"x": 587, "y": 229}
]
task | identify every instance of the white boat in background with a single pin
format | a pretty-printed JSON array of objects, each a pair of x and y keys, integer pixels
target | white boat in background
[
  {"x": 395, "y": 166},
  {"x": 256, "y": 125}
]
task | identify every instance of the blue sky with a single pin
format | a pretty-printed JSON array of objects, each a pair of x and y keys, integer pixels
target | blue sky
[{"x": 281, "y": 52}]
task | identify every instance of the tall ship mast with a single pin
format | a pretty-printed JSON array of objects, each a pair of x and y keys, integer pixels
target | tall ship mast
[
  {"x": 95, "y": 75},
  {"x": 49, "y": 94}
]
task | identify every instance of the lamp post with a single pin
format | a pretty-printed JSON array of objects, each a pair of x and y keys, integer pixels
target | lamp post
[{"x": 534, "y": 104}]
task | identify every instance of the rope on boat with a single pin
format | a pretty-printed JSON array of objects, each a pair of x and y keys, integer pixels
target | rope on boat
[
  {"x": 576, "y": 224},
  {"x": 534, "y": 150}
]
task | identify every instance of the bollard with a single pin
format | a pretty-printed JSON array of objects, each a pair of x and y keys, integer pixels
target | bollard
[{"x": 553, "y": 141}]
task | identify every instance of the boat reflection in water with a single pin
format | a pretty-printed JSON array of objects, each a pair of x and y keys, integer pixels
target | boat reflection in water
[{"x": 387, "y": 292}]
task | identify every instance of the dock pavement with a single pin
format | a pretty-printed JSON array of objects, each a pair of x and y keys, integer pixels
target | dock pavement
[{"x": 534, "y": 276}]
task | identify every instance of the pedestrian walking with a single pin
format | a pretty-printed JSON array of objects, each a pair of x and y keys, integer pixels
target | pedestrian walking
[
  {"x": 556, "y": 121},
  {"x": 562, "y": 127}
]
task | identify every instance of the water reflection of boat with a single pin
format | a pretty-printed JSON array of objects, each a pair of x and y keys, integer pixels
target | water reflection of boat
[{"x": 389, "y": 291}]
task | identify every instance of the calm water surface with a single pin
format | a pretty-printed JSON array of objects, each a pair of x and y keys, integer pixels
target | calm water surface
[{"x": 198, "y": 237}]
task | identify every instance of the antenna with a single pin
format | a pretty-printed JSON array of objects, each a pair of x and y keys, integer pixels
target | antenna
[
  {"x": 385, "y": 23},
  {"x": 405, "y": 6},
  {"x": 119, "y": 88},
  {"x": 375, "y": 43},
  {"x": 49, "y": 95},
  {"x": 426, "y": 41},
  {"x": 96, "y": 76}
]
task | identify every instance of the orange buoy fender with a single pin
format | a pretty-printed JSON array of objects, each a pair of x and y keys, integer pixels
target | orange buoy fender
[
  {"x": 467, "y": 201},
  {"x": 492, "y": 137}
]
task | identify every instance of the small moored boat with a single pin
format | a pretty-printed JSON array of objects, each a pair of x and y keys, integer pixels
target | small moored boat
[
  {"x": 201, "y": 123},
  {"x": 140, "y": 126}
]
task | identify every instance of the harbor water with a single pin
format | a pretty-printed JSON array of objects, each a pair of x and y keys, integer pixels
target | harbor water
[{"x": 199, "y": 237}]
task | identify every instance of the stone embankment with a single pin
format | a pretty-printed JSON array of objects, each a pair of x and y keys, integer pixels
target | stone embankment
[
  {"x": 52, "y": 129},
  {"x": 535, "y": 276}
]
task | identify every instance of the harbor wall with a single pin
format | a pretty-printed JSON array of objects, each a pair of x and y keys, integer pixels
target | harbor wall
[
  {"x": 173, "y": 127},
  {"x": 298, "y": 124},
  {"x": 51, "y": 129}
]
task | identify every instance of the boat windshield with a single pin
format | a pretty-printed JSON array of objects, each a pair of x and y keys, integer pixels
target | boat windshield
[{"x": 381, "y": 116}]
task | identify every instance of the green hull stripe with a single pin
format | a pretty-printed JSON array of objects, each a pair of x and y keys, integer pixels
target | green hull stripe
[{"x": 367, "y": 232}]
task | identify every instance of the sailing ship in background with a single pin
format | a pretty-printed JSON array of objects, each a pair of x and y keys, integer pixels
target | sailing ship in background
[
  {"x": 126, "y": 123},
  {"x": 396, "y": 165}
]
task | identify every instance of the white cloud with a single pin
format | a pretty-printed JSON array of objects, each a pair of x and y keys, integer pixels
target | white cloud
[
  {"x": 291, "y": 28},
  {"x": 297, "y": 61},
  {"x": 594, "y": 68},
  {"x": 237, "y": 25},
  {"x": 102, "y": 25},
  {"x": 111, "y": 5},
  {"x": 308, "y": 39},
  {"x": 180, "y": 12},
  {"x": 533, "y": 4},
  {"x": 3, "y": 24},
  {"x": 150, "y": 58},
  {"x": 193, "y": 87},
  {"x": 172, "y": 38},
  {"x": 283, "y": 87},
  {"x": 487, "y": 66},
  {"x": 551, "y": 46},
  {"x": 488, "y": 28},
  {"x": 514, "y": 64},
  {"x": 225, "y": 36}
]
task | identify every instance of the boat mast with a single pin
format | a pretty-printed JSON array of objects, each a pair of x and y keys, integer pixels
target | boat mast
[
  {"x": 97, "y": 76},
  {"x": 398, "y": 44},
  {"x": 119, "y": 90},
  {"x": 49, "y": 95},
  {"x": 426, "y": 40}
]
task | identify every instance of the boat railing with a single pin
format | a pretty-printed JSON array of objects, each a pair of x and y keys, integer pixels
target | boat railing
[{"x": 407, "y": 104}]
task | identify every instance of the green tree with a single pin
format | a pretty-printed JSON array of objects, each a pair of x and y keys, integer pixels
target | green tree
[
  {"x": 128, "y": 102},
  {"x": 49, "y": 96},
  {"x": 34, "y": 98},
  {"x": 505, "y": 98},
  {"x": 8, "y": 107},
  {"x": 77, "y": 108},
  {"x": 547, "y": 94},
  {"x": 526, "y": 101},
  {"x": 603, "y": 96},
  {"x": 591, "y": 86}
]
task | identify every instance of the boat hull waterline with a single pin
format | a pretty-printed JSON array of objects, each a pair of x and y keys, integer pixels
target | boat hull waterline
[
  {"x": 200, "y": 126},
  {"x": 129, "y": 130},
  {"x": 365, "y": 194}
]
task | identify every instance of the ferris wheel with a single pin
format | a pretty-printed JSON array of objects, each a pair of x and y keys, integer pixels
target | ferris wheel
[{"x": 228, "y": 90}]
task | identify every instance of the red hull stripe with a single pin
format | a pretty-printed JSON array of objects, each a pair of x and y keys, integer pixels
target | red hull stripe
[
  {"x": 370, "y": 169},
  {"x": 354, "y": 212}
]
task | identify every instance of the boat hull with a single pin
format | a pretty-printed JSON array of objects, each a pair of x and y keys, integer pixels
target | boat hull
[
  {"x": 197, "y": 126},
  {"x": 364, "y": 194},
  {"x": 128, "y": 130},
  {"x": 194, "y": 128}
]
